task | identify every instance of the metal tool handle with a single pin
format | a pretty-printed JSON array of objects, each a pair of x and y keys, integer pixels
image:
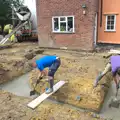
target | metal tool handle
[{"x": 38, "y": 81}]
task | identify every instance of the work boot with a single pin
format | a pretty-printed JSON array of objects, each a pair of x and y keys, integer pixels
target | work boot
[
  {"x": 50, "y": 90},
  {"x": 98, "y": 79}
]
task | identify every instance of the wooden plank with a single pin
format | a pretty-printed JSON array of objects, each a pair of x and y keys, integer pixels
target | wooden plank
[{"x": 42, "y": 97}]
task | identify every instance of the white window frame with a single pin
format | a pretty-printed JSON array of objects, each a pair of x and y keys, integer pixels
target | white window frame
[
  {"x": 110, "y": 30},
  {"x": 63, "y": 22}
]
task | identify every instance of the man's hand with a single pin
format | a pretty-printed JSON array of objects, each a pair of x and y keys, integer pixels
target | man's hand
[
  {"x": 44, "y": 73},
  {"x": 39, "y": 77}
]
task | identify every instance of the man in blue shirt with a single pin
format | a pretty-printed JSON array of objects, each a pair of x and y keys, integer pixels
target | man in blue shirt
[{"x": 53, "y": 63}]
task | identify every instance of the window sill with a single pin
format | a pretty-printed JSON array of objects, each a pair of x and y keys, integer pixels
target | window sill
[
  {"x": 110, "y": 13},
  {"x": 109, "y": 30},
  {"x": 64, "y": 32}
]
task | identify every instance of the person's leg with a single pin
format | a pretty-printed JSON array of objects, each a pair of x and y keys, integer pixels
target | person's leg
[
  {"x": 99, "y": 77},
  {"x": 52, "y": 71},
  {"x": 51, "y": 81}
]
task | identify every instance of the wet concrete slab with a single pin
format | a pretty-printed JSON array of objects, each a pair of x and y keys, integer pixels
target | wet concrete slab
[
  {"x": 1, "y": 37},
  {"x": 113, "y": 113},
  {"x": 19, "y": 86}
]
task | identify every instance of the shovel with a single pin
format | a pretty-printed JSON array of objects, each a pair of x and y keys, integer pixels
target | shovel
[{"x": 34, "y": 91}]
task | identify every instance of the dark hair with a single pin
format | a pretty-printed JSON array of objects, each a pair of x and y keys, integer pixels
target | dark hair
[{"x": 118, "y": 71}]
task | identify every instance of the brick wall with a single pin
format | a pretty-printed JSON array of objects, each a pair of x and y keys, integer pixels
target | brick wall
[{"x": 84, "y": 24}]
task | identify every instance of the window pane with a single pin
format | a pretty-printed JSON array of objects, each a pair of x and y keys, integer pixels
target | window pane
[
  {"x": 70, "y": 24},
  {"x": 108, "y": 18},
  {"x": 112, "y": 17},
  {"x": 108, "y": 27},
  {"x": 56, "y": 24},
  {"x": 70, "y": 18},
  {"x": 108, "y": 22},
  {"x": 62, "y": 19},
  {"x": 112, "y": 22},
  {"x": 112, "y": 27},
  {"x": 63, "y": 26}
]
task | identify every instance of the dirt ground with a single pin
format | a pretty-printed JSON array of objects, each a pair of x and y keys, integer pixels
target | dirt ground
[
  {"x": 15, "y": 61},
  {"x": 79, "y": 69},
  {"x": 15, "y": 109}
]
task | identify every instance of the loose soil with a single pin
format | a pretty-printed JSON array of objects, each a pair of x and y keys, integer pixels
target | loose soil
[
  {"x": 15, "y": 61},
  {"x": 79, "y": 69},
  {"x": 14, "y": 108}
]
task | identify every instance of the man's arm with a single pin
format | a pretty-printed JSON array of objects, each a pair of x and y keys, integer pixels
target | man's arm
[
  {"x": 99, "y": 77},
  {"x": 42, "y": 73}
]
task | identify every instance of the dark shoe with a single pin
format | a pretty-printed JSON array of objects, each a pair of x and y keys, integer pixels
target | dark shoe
[{"x": 50, "y": 90}]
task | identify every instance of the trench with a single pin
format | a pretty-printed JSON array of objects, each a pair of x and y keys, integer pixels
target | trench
[{"x": 20, "y": 87}]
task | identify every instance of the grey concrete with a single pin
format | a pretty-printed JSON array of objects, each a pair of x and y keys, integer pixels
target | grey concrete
[
  {"x": 19, "y": 86},
  {"x": 1, "y": 37},
  {"x": 113, "y": 113}
]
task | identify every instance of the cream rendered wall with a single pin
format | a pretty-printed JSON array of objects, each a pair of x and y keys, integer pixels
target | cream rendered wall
[{"x": 32, "y": 6}]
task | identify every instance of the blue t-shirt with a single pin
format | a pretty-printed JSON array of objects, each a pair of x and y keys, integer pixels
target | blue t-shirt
[{"x": 45, "y": 61}]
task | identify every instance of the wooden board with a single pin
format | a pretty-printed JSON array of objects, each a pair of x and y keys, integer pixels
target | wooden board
[{"x": 42, "y": 97}]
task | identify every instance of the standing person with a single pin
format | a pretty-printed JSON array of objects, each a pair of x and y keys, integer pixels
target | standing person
[
  {"x": 52, "y": 62},
  {"x": 12, "y": 38},
  {"x": 114, "y": 66},
  {"x": 6, "y": 29}
]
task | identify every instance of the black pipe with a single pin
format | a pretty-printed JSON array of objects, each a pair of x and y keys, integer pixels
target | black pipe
[
  {"x": 101, "y": 11},
  {"x": 97, "y": 19}
]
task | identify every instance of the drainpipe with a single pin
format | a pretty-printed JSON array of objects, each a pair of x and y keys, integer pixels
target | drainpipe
[
  {"x": 101, "y": 11},
  {"x": 96, "y": 24},
  {"x": 97, "y": 19}
]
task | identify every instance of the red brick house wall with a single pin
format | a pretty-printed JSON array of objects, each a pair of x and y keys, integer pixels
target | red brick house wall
[{"x": 83, "y": 36}]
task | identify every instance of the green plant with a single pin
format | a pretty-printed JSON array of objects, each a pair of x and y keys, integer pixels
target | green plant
[
  {"x": 62, "y": 28},
  {"x": 6, "y": 10}
]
